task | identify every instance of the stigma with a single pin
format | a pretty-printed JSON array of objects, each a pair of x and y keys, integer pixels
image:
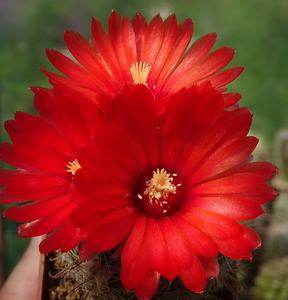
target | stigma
[
  {"x": 140, "y": 72},
  {"x": 160, "y": 186},
  {"x": 73, "y": 166}
]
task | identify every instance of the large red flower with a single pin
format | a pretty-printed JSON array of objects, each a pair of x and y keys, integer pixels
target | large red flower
[
  {"x": 154, "y": 54},
  {"x": 44, "y": 152},
  {"x": 171, "y": 193}
]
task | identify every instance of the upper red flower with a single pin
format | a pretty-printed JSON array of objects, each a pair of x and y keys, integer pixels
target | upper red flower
[
  {"x": 154, "y": 54},
  {"x": 44, "y": 151},
  {"x": 170, "y": 193}
]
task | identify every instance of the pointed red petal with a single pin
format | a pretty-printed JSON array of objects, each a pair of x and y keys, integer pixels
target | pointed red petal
[
  {"x": 224, "y": 77},
  {"x": 46, "y": 224},
  {"x": 237, "y": 208},
  {"x": 197, "y": 52},
  {"x": 65, "y": 237},
  {"x": 200, "y": 242},
  {"x": 152, "y": 41},
  {"x": 179, "y": 254},
  {"x": 211, "y": 266},
  {"x": 194, "y": 279},
  {"x": 134, "y": 243},
  {"x": 155, "y": 245},
  {"x": 123, "y": 40},
  {"x": 36, "y": 210},
  {"x": 106, "y": 237},
  {"x": 212, "y": 223},
  {"x": 83, "y": 53},
  {"x": 135, "y": 273},
  {"x": 37, "y": 186},
  {"x": 148, "y": 286},
  {"x": 164, "y": 44}
]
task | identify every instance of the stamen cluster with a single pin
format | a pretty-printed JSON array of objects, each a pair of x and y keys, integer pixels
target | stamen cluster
[
  {"x": 140, "y": 72},
  {"x": 159, "y": 186}
]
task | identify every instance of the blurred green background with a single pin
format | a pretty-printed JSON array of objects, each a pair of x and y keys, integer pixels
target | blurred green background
[{"x": 257, "y": 29}]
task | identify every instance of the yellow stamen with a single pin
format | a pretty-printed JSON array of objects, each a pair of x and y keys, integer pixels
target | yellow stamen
[
  {"x": 140, "y": 72},
  {"x": 73, "y": 166},
  {"x": 159, "y": 186}
]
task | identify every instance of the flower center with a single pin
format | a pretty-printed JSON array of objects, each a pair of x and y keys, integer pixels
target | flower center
[
  {"x": 73, "y": 166},
  {"x": 140, "y": 72},
  {"x": 159, "y": 186},
  {"x": 160, "y": 195}
]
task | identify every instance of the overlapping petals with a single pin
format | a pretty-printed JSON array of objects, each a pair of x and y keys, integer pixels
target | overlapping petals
[
  {"x": 171, "y": 189},
  {"x": 41, "y": 151},
  {"x": 136, "y": 150},
  {"x": 105, "y": 63}
]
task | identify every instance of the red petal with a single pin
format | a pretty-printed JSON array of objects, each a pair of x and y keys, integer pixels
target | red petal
[
  {"x": 83, "y": 53},
  {"x": 135, "y": 273},
  {"x": 6, "y": 175},
  {"x": 186, "y": 115},
  {"x": 37, "y": 187},
  {"x": 65, "y": 237},
  {"x": 45, "y": 133},
  {"x": 94, "y": 161},
  {"x": 63, "y": 82},
  {"x": 195, "y": 278},
  {"x": 142, "y": 136},
  {"x": 40, "y": 157},
  {"x": 231, "y": 99},
  {"x": 197, "y": 51},
  {"x": 226, "y": 76},
  {"x": 46, "y": 224},
  {"x": 223, "y": 158},
  {"x": 200, "y": 242},
  {"x": 148, "y": 286},
  {"x": 123, "y": 40},
  {"x": 251, "y": 237},
  {"x": 164, "y": 43},
  {"x": 212, "y": 223},
  {"x": 184, "y": 35},
  {"x": 36, "y": 210},
  {"x": 134, "y": 242},
  {"x": 71, "y": 69},
  {"x": 152, "y": 41},
  {"x": 211, "y": 266},
  {"x": 107, "y": 186},
  {"x": 261, "y": 194},
  {"x": 237, "y": 208},
  {"x": 265, "y": 170},
  {"x": 178, "y": 253},
  {"x": 8, "y": 199},
  {"x": 8, "y": 155},
  {"x": 103, "y": 48},
  {"x": 118, "y": 149},
  {"x": 117, "y": 214},
  {"x": 239, "y": 248},
  {"x": 102, "y": 203},
  {"x": 233, "y": 184},
  {"x": 154, "y": 245},
  {"x": 106, "y": 237},
  {"x": 139, "y": 24}
]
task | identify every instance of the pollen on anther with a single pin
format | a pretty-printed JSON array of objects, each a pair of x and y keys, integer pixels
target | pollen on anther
[
  {"x": 73, "y": 166},
  {"x": 159, "y": 186},
  {"x": 140, "y": 72}
]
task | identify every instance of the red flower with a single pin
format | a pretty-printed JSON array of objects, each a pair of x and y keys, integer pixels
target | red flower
[
  {"x": 44, "y": 152},
  {"x": 154, "y": 54},
  {"x": 170, "y": 193}
]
